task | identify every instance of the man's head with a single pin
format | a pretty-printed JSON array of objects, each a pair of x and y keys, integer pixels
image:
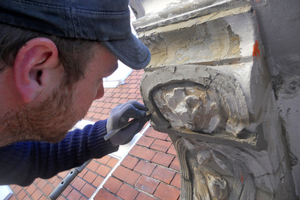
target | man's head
[
  {"x": 56, "y": 57},
  {"x": 46, "y": 106}
]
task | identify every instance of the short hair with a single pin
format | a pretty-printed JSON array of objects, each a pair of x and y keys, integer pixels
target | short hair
[{"x": 73, "y": 53}]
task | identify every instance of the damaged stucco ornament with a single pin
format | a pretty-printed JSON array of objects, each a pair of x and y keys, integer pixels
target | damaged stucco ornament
[
  {"x": 199, "y": 101},
  {"x": 210, "y": 88}
]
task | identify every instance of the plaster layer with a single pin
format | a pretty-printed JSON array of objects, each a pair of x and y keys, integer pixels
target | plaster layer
[
  {"x": 288, "y": 105},
  {"x": 226, "y": 40},
  {"x": 219, "y": 44}
]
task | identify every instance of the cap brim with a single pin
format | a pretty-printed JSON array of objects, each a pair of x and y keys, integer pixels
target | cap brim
[{"x": 131, "y": 51}]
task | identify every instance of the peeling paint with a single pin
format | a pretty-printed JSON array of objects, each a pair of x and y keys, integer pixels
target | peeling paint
[{"x": 256, "y": 51}]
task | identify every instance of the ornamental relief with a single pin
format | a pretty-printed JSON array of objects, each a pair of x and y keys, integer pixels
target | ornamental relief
[
  {"x": 209, "y": 103},
  {"x": 215, "y": 172}
]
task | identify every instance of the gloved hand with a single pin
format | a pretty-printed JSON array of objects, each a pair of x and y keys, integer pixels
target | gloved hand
[{"x": 120, "y": 115}]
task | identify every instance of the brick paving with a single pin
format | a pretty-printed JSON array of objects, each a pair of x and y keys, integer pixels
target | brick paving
[
  {"x": 150, "y": 171},
  {"x": 82, "y": 187},
  {"x": 147, "y": 172}
]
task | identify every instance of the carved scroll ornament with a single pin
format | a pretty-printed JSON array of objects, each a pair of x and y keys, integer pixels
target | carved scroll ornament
[{"x": 199, "y": 100}]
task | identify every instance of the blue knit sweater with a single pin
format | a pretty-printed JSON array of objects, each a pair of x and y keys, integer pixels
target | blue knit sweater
[{"x": 22, "y": 162}]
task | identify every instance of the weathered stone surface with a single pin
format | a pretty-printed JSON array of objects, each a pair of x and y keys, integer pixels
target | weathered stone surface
[
  {"x": 219, "y": 106},
  {"x": 210, "y": 88}
]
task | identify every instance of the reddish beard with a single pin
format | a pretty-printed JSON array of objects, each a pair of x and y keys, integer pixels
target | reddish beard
[{"x": 49, "y": 121}]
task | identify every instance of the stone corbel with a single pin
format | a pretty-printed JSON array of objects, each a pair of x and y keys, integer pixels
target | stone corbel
[{"x": 210, "y": 89}]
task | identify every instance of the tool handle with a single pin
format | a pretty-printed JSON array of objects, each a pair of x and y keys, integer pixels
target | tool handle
[{"x": 113, "y": 132}]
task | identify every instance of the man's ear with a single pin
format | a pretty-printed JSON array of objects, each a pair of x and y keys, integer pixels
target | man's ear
[{"x": 34, "y": 67}]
